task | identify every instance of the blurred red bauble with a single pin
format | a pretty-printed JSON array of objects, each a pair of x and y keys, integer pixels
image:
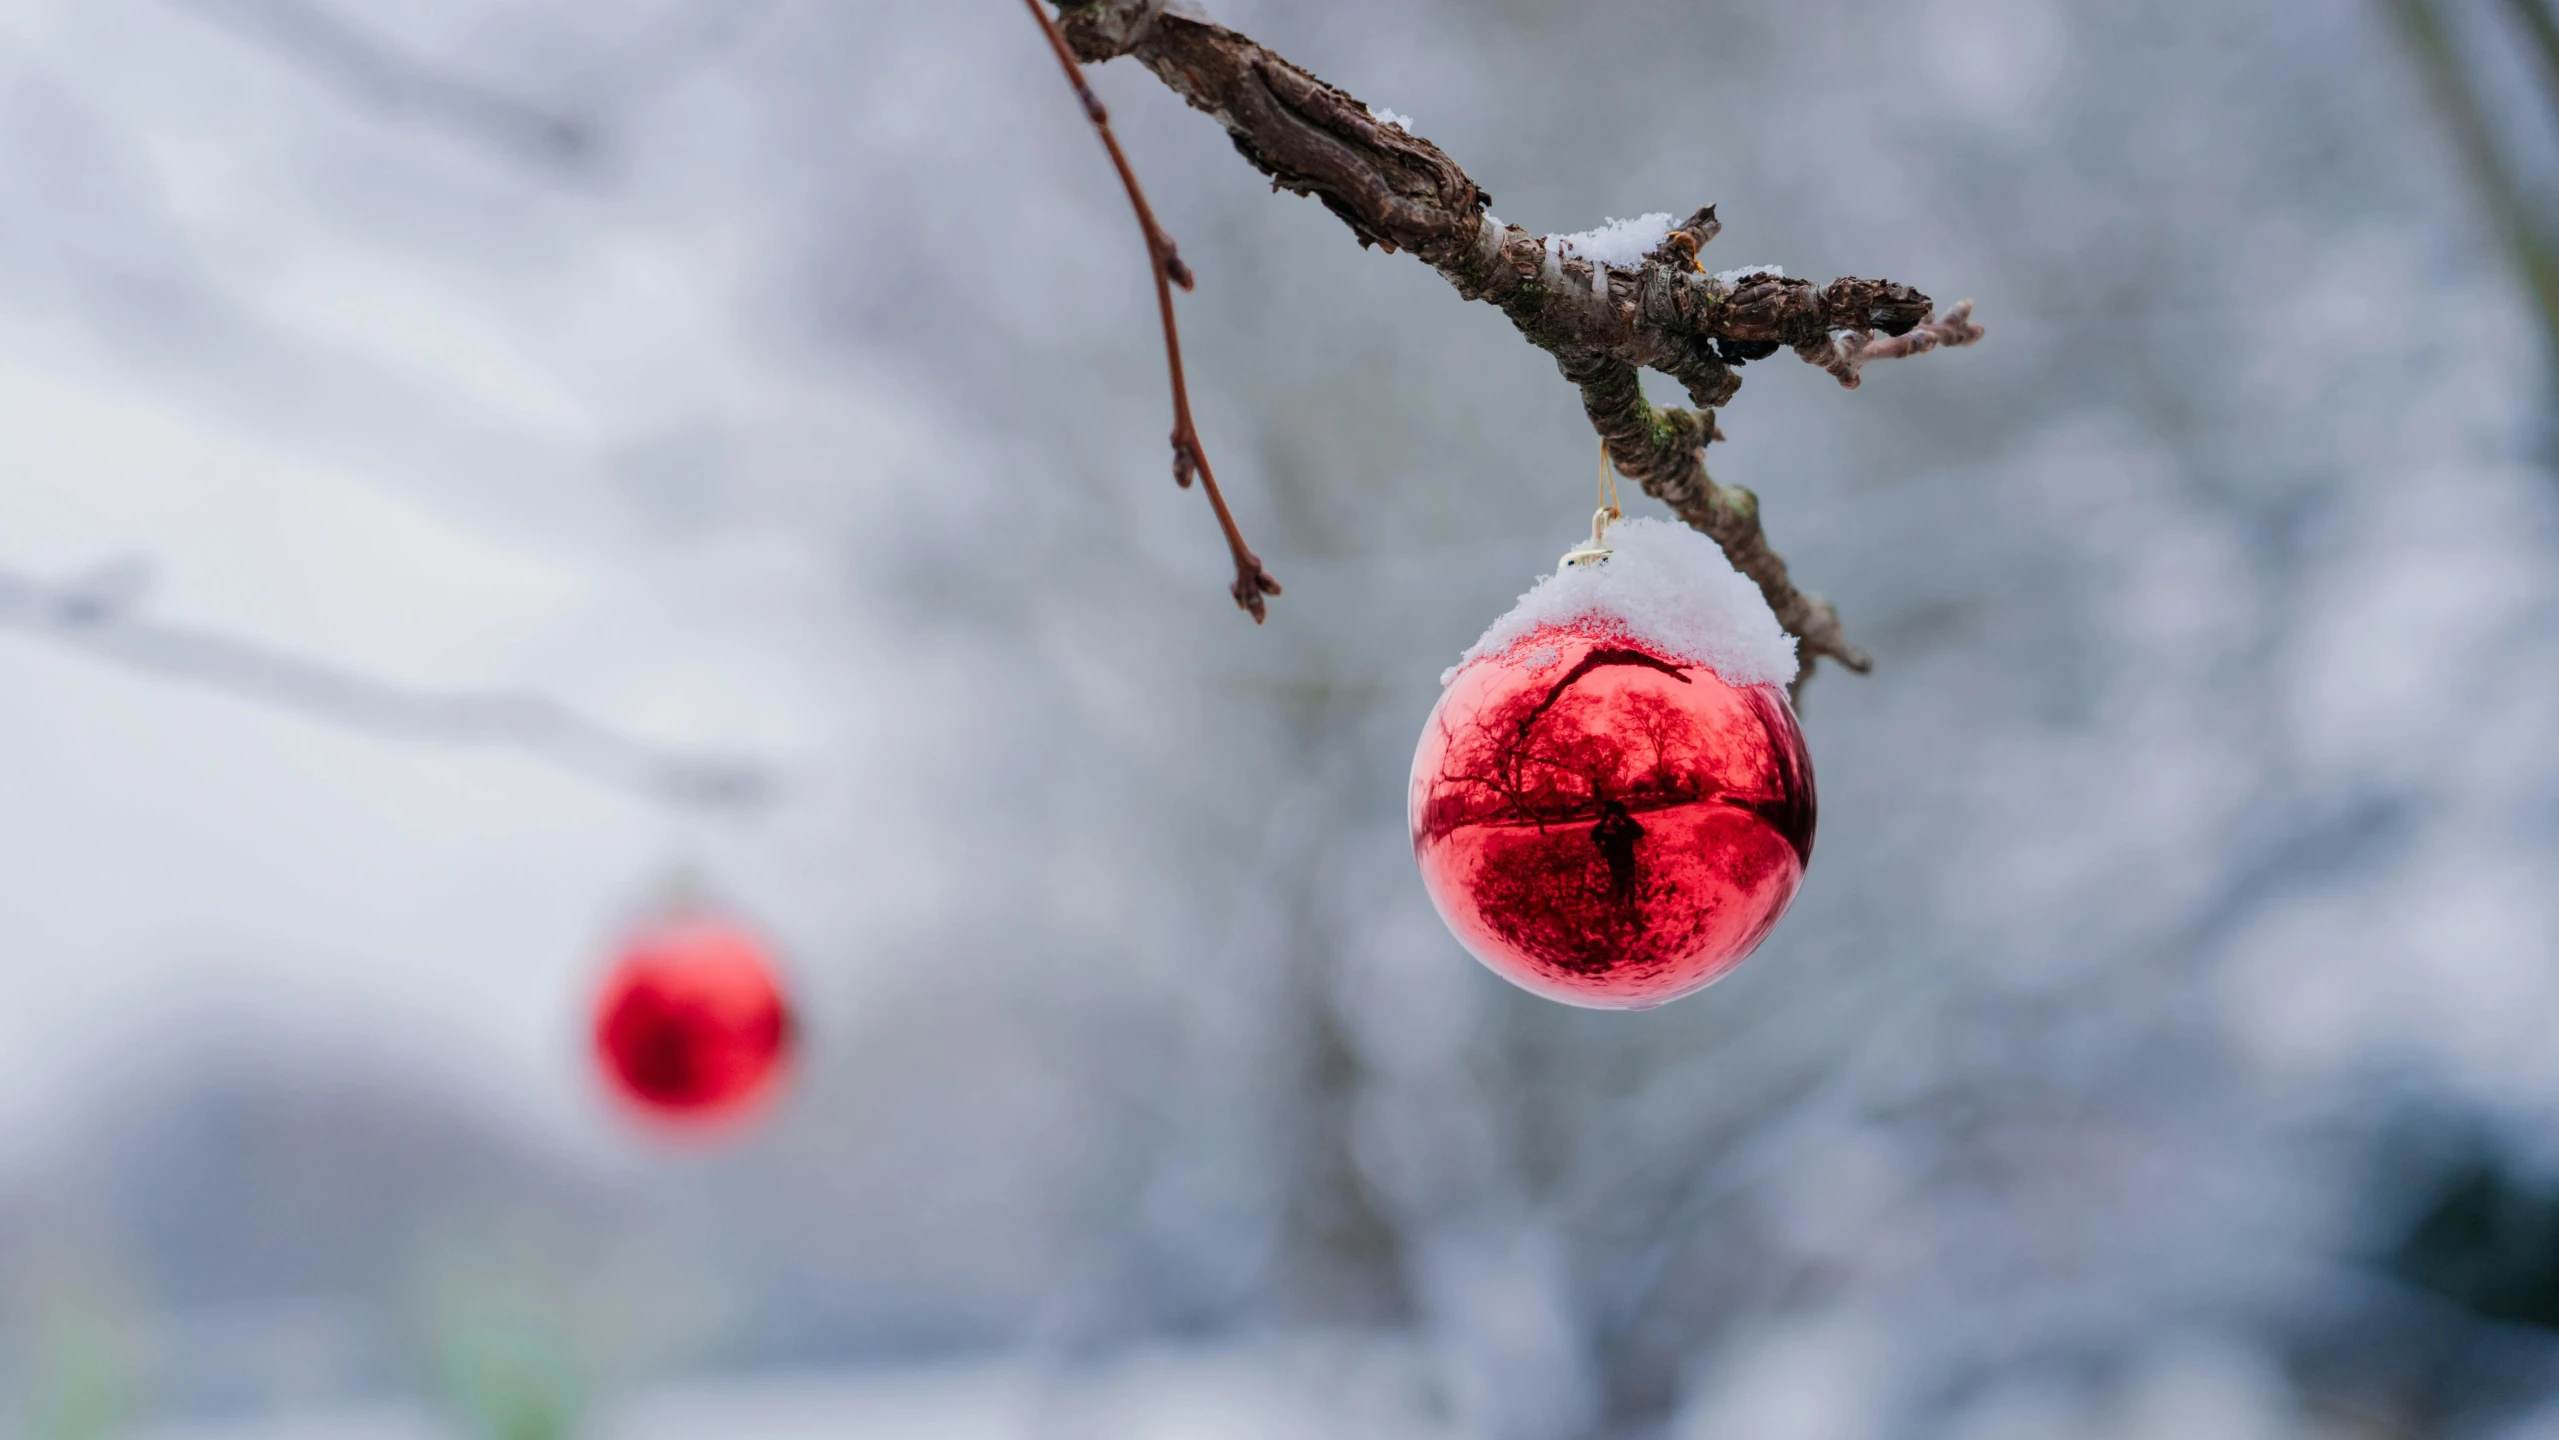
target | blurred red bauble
[
  {"x": 1605, "y": 825},
  {"x": 692, "y": 1025}
]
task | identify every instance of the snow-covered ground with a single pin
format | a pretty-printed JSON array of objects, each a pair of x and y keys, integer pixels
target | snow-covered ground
[{"x": 1374, "y": 1387}]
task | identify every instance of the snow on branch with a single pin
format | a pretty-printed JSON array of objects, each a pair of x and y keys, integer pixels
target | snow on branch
[
  {"x": 96, "y": 614},
  {"x": 1604, "y": 309}
]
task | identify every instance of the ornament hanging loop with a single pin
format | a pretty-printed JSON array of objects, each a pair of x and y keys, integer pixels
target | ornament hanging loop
[{"x": 1595, "y": 550}]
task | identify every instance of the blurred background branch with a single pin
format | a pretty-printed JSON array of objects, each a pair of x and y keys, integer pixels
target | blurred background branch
[
  {"x": 2455, "y": 76},
  {"x": 2538, "y": 22},
  {"x": 381, "y": 76},
  {"x": 96, "y": 614}
]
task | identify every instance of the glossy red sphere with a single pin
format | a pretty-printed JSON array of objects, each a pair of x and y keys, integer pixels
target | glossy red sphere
[
  {"x": 693, "y": 1026},
  {"x": 1607, "y": 827}
]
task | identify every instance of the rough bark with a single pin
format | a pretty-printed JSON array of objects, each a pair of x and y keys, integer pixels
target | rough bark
[{"x": 1604, "y": 326}]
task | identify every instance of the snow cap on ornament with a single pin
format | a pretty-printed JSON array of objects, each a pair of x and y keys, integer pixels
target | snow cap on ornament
[{"x": 1658, "y": 585}]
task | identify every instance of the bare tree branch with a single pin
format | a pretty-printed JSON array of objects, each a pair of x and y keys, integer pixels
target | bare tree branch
[
  {"x": 96, "y": 614},
  {"x": 1602, "y": 325},
  {"x": 1252, "y": 581}
]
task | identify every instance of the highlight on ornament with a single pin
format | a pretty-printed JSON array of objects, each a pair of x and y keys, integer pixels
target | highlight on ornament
[
  {"x": 1612, "y": 804},
  {"x": 693, "y": 1027}
]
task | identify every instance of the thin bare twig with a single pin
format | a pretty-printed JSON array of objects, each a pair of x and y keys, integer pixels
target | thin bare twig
[
  {"x": 95, "y": 614},
  {"x": 1845, "y": 356},
  {"x": 1253, "y": 582}
]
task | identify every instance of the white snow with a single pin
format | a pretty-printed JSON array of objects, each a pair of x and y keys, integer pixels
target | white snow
[
  {"x": 1745, "y": 272},
  {"x": 1389, "y": 117},
  {"x": 1620, "y": 243},
  {"x": 1665, "y": 587}
]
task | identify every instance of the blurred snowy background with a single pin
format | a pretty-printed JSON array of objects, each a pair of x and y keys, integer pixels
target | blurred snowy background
[{"x": 2166, "y": 1043}]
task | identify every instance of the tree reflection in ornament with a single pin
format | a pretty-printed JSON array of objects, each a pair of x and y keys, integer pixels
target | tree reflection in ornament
[{"x": 1601, "y": 818}]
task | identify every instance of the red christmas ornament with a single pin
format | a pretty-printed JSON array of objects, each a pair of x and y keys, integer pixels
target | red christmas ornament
[
  {"x": 692, "y": 1026},
  {"x": 1612, "y": 803}
]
